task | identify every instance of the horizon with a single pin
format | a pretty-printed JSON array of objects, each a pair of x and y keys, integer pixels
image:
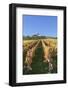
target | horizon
[{"x": 40, "y": 36}]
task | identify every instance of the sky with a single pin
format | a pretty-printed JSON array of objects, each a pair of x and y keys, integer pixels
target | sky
[{"x": 43, "y": 25}]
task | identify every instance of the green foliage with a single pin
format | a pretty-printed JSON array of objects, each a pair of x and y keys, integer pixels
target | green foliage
[{"x": 35, "y": 37}]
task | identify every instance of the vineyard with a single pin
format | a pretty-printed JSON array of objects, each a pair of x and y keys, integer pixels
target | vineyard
[{"x": 39, "y": 56}]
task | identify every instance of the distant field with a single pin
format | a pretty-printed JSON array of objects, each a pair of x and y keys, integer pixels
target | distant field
[{"x": 40, "y": 56}]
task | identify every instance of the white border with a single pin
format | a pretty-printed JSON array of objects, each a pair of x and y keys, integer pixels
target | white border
[{"x": 42, "y": 77}]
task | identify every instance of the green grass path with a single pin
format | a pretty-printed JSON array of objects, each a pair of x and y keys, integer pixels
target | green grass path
[{"x": 38, "y": 66}]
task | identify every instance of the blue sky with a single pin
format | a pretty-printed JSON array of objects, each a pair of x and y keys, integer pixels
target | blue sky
[{"x": 44, "y": 25}]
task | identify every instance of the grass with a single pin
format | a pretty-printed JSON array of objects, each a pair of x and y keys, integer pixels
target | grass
[{"x": 38, "y": 66}]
